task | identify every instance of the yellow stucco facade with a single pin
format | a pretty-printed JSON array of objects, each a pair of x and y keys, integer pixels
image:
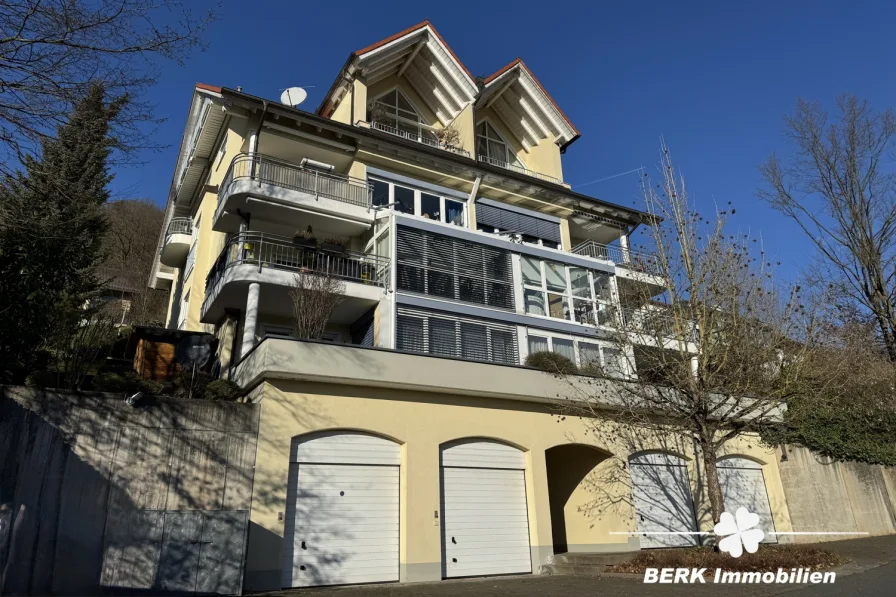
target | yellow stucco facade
[{"x": 598, "y": 515}]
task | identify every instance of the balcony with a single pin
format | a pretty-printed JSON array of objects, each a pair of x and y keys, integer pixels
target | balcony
[
  {"x": 178, "y": 239},
  {"x": 519, "y": 169},
  {"x": 275, "y": 261},
  {"x": 656, "y": 325},
  {"x": 263, "y": 186},
  {"x": 413, "y": 136},
  {"x": 638, "y": 261}
]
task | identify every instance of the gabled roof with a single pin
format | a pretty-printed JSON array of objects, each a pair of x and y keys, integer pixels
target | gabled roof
[
  {"x": 421, "y": 55},
  {"x": 525, "y": 105}
]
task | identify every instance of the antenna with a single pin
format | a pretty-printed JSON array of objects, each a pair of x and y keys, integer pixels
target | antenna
[
  {"x": 293, "y": 96},
  {"x": 193, "y": 352}
]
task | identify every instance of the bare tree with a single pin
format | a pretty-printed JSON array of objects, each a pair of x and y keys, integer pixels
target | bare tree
[
  {"x": 133, "y": 226},
  {"x": 80, "y": 346},
  {"x": 705, "y": 351},
  {"x": 314, "y": 297},
  {"x": 839, "y": 188},
  {"x": 51, "y": 51}
]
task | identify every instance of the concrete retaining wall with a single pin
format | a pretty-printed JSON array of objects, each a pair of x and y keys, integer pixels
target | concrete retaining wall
[
  {"x": 98, "y": 497},
  {"x": 823, "y": 495}
]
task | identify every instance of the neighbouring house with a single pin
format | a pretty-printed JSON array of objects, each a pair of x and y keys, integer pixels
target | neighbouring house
[{"x": 411, "y": 444}]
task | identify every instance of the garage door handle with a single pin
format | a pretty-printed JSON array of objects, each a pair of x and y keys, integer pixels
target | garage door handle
[
  {"x": 453, "y": 540},
  {"x": 303, "y": 545},
  {"x": 641, "y": 516}
]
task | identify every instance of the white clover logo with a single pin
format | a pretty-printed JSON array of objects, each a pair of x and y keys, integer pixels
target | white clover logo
[{"x": 737, "y": 532}]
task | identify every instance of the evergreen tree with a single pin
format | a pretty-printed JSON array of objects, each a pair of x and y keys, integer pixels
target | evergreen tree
[{"x": 51, "y": 233}]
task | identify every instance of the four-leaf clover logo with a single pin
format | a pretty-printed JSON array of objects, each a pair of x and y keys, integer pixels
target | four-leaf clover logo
[{"x": 738, "y": 532}]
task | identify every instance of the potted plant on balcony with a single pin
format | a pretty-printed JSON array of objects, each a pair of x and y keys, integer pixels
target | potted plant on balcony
[
  {"x": 449, "y": 137},
  {"x": 334, "y": 244},
  {"x": 305, "y": 239}
]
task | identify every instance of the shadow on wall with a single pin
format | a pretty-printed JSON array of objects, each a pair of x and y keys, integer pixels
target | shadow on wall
[
  {"x": 661, "y": 498},
  {"x": 100, "y": 497}
]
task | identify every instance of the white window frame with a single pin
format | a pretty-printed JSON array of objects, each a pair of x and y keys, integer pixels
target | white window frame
[
  {"x": 420, "y": 123},
  {"x": 510, "y": 157},
  {"x": 596, "y": 303},
  {"x": 182, "y": 316},
  {"x": 577, "y": 350},
  {"x": 443, "y": 212}
]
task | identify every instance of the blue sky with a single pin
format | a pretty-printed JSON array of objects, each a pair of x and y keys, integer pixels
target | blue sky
[{"x": 713, "y": 78}]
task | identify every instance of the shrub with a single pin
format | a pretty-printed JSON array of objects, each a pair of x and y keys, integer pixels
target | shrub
[
  {"x": 43, "y": 379},
  {"x": 551, "y": 362},
  {"x": 222, "y": 389},
  {"x": 127, "y": 382},
  {"x": 768, "y": 558}
]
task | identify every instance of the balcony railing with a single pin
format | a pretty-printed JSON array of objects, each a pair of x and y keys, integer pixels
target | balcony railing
[
  {"x": 275, "y": 252},
  {"x": 264, "y": 169},
  {"x": 411, "y": 136},
  {"x": 519, "y": 169},
  {"x": 180, "y": 226},
  {"x": 639, "y": 261},
  {"x": 657, "y": 324}
]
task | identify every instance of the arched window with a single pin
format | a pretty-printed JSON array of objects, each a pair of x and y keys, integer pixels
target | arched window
[
  {"x": 394, "y": 111},
  {"x": 490, "y": 145}
]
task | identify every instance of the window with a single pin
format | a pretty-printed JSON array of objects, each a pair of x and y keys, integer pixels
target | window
[
  {"x": 182, "y": 316},
  {"x": 589, "y": 357},
  {"x": 449, "y": 335},
  {"x": 419, "y": 203},
  {"x": 566, "y": 292},
  {"x": 282, "y": 331},
  {"x": 455, "y": 269},
  {"x": 490, "y": 145},
  {"x": 532, "y": 227},
  {"x": 394, "y": 111}
]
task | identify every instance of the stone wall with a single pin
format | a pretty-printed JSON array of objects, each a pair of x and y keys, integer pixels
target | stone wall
[
  {"x": 99, "y": 497},
  {"x": 846, "y": 497}
]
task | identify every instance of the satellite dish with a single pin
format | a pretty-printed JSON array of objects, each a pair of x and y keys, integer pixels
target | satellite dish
[
  {"x": 193, "y": 352},
  {"x": 293, "y": 96}
]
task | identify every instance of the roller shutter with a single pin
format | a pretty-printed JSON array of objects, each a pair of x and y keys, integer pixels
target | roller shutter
[
  {"x": 663, "y": 504},
  {"x": 743, "y": 485},
  {"x": 342, "y": 511},
  {"x": 505, "y": 219},
  {"x": 485, "y": 524}
]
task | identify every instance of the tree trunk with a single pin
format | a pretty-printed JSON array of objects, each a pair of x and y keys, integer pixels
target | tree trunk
[{"x": 713, "y": 487}]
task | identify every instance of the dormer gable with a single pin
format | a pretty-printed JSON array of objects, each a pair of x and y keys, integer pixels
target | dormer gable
[
  {"x": 525, "y": 106},
  {"x": 419, "y": 55}
]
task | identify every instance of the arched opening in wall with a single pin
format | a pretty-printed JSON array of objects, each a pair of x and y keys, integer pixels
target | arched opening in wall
[
  {"x": 743, "y": 485},
  {"x": 570, "y": 493}
]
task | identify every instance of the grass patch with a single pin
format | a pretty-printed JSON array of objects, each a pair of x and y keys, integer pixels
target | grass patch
[{"x": 768, "y": 558}]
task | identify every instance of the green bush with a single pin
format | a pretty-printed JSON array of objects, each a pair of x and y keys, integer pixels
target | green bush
[
  {"x": 551, "y": 362},
  {"x": 128, "y": 382},
  {"x": 222, "y": 389}
]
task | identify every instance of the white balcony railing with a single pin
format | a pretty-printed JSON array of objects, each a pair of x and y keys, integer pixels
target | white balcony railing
[
  {"x": 519, "y": 169},
  {"x": 265, "y": 169},
  {"x": 639, "y": 261},
  {"x": 418, "y": 138}
]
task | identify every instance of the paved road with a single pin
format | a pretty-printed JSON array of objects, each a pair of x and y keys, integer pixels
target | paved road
[{"x": 871, "y": 572}]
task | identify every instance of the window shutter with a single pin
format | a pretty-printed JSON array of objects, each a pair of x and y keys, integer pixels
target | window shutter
[
  {"x": 445, "y": 334},
  {"x": 455, "y": 269},
  {"x": 505, "y": 219}
]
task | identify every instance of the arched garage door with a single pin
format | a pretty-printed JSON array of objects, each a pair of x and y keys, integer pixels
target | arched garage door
[
  {"x": 342, "y": 511},
  {"x": 485, "y": 522},
  {"x": 662, "y": 499},
  {"x": 743, "y": 485}
]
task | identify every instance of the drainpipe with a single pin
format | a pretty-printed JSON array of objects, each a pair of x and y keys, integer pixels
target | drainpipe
[
  {"x": 472, "y": 199},
  {"x": 253, "y": 140}
]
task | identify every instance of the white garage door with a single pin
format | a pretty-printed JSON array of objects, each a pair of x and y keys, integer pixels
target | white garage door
[
  {"x": 342, "y": 511},
  {"x": 663, "y": 504},
  {"x": 485, "y": 522},
  {"x": 743, "y": 485}
]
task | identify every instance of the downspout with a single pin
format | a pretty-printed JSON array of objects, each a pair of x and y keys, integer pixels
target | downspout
[{"x": 253, "y": 140}]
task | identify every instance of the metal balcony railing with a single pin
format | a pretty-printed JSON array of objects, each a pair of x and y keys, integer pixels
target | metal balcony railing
[
  {"x": 412, "y": 136},
  {"x": 519, "y": 169},
  {"x": 634, "y": 260},
  {"x": 658, "y": 325},
  {"x": 180, "y": 226},
  {"x": 276, "y": 252},
  {"x": 264, "y": 169}
]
